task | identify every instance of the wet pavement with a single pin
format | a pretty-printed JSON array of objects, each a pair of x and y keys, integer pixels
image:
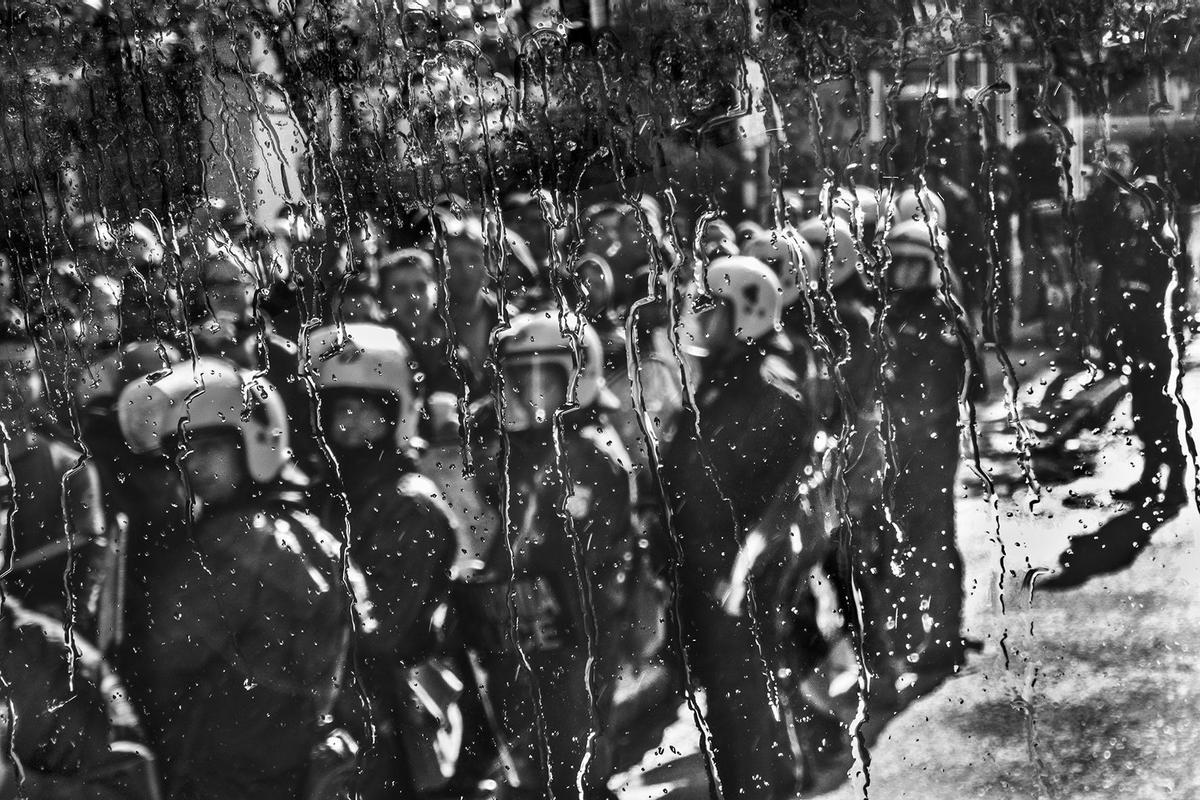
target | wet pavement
[{"x": 1091, "y": 692}]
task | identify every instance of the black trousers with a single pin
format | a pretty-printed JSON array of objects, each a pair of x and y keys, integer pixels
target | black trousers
[{"x": 1140, "y": 340}]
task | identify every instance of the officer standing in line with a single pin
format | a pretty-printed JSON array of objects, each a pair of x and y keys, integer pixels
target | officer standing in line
[
  {"x": 72, "y": 731},
  {"x": 239, "y": 622},
  {"x": 141, "y": 495},
  {"x": 409, "y": 296},
  {"x": 1045, "y": 248},
  {"x": 924, "y": 369},
  {"x": 724, "y": 472},
  {"x": 1130, "y": 232},
  {"x": 401, "y": 534},
  {"x": 57, "y": 521},
  {"x": 846, "y": 324},
  {"x": 567, "y": 496},
  {"x": 794, "y": 262}
]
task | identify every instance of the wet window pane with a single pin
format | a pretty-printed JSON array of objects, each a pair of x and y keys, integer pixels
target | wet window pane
[{"x": 596, "y": 399}]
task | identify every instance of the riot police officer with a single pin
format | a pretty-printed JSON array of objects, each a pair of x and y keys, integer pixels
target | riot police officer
[
  {"x": 846, "y": 315},
  {"x": 239, "y": 621},
  {"x": 795, "y": 263},
  {"x": 614, "y": 231},
  {"x": 1130, "y": 234},
  {"x": 924, "y": 371},
  {"x": 140, "y": 494},
  {"x": 725, "y": 473},
  {"x": 953, "y": 210},
  {"x": 470, "y": 309},
  {"x": 544, "y": 605},
  {"x": 71, "y": 728},
  {"x": 401, "y": 534},
  {"x": 57, "y": 522},
  {"x": 97, "y": 251},
  {"x": 409, "y": 295}
]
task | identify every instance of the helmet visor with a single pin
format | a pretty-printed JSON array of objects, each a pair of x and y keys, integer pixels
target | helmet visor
[
  {"x": 534, "y": 388},
  {"x": 911, "y": 271}
]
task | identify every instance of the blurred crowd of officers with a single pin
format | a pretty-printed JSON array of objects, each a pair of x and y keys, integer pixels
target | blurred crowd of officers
[{"x": 233, "y": 477}]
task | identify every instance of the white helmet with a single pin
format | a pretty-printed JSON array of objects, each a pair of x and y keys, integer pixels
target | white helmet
[
  {"x": 834, "y": 240},
  {"x": 928, "y": 209},
  {"x": 789, "y": 256},
  {"x": 208, "y": 394},
  {"x": 862, "y": 201},
  {"x": 538, "y": 361},
  {"x": 753, "y": 292},
  {"x": 370, "y": 358},
  {"x": 926, "y": 206}
]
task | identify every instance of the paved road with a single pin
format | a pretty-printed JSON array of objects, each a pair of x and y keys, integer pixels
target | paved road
[{"x": 1087, "y": 693}]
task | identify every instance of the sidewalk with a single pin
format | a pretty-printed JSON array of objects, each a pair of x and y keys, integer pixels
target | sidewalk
[{"x": 1089, "y": 693}]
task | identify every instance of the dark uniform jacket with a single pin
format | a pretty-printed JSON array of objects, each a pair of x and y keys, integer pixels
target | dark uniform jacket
[
  {"x": 237, "y": 635},
  {"x": 924, "y": 366},
  {"x": 402, "y": 536},
  {"x": 57, "y": 518},
  {"x": 755, "y": 424},
  {"x": 74, "y": 736},
  {"x": 544, "y": 612},
  {"x": 729, "y": 473},
  {"x": 1125, "y": 232},
  {"x": 586, "y": 499}
]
